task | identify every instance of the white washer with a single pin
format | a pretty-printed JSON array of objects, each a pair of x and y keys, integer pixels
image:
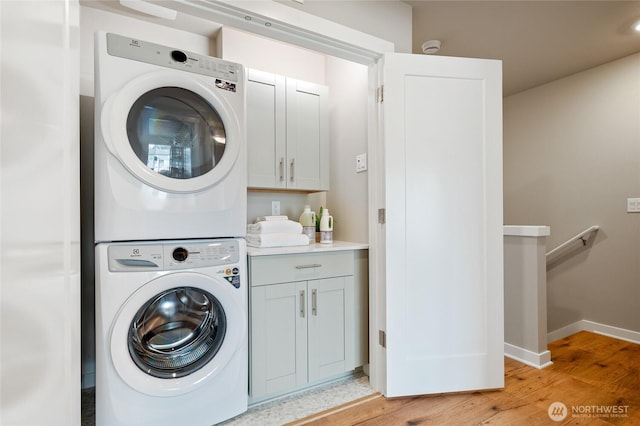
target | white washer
[
  {"x": 170, "y": 143},
  {"x": 171, "y": 332}
]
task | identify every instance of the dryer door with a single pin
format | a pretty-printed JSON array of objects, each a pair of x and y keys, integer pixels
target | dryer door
[
  {"x": 175, "y": 132},
  {"x": 176, "y": 332}
]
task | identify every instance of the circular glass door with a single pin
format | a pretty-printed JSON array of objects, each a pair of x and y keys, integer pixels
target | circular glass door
[
  {"x": 177, "y": 332},
  {"x": 176, "y": 133}
]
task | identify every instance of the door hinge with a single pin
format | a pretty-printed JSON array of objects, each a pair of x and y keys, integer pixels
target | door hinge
[
  {"x": 380, "y": 94},
  {"x": 381, "y": 216},
  {"x": 382, "y": 338}
]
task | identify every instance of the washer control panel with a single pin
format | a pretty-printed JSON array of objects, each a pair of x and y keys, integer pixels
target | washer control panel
[{"x": 175, "y": 255}]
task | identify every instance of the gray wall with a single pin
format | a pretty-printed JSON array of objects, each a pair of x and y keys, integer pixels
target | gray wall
[
  {"x": 349, "y": 195},
  {"x": 571, "y": 159}
]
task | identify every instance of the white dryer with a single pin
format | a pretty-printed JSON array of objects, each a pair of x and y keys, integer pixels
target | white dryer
[
  {"x": 170, "y": 143},
  {"x": 171, "y": 332}
]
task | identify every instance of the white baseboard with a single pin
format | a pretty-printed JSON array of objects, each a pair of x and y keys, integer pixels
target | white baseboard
[
  {"x": 585, "y": 325},
  {"x": 525, "y": 356}
]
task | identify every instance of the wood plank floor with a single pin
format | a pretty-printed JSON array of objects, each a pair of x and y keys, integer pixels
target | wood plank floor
[{"x": 590, "y": 373}]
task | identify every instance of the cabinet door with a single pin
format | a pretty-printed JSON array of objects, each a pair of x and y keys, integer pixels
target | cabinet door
[
  {"x": 331, "y": 327},
  {"x": 278, "y": 338},
  {"x": 307, "y": 136},
  {"x": 266, "y": 130}
]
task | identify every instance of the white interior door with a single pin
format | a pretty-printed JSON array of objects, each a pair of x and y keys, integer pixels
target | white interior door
[{"x": 442, "y": 186}]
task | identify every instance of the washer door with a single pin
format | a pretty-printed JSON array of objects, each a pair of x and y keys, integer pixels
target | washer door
[
  {"x": 177, "y": 332},
  {"x": 174, "y": 132}
]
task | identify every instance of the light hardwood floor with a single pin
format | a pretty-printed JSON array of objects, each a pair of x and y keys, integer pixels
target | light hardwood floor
[{"x": 590, "y": 373}]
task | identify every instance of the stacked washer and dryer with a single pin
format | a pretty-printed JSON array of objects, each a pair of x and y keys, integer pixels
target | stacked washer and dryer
[{"x": 170, "y": 212}]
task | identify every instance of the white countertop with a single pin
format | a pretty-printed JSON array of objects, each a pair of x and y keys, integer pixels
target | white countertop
[
  {"x": 527, "y": 231},
  {"x": 311, "y": 248}
]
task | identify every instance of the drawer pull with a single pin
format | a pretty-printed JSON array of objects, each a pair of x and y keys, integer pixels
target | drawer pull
[
  {"x": 314, "y": 302},
  {"x": 311, "y": 265},
  {"x": 302, "y": 303}
]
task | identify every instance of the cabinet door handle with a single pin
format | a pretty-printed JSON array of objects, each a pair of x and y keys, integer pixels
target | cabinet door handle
[
  {"x": 281, "y": 169},
  {"x": 302, "y": 303},
  {"x": 314, "y": 302},
  {"x": 292, "y": 169},
  {"x": 310, "y": 265}
]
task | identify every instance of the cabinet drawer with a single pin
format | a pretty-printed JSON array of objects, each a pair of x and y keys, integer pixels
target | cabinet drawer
[{"x": 299, "y": 267}]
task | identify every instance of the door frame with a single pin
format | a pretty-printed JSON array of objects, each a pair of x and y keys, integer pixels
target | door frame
[{"x": 283, "y": 23}]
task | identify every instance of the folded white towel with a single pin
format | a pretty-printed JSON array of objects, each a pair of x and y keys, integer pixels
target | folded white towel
[
  {"x": 275, "y": 226},
  {"x": 277, "y": 240},
  {"x": 265, "y": 218}
]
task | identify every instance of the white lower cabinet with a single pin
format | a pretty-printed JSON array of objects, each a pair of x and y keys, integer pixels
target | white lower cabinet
[{"x": 302, "y": 330}]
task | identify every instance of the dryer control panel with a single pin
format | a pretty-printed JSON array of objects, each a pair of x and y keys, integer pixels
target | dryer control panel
[
  {"x": 174, "y": 255},
  {"x": 156, "y": 54}
]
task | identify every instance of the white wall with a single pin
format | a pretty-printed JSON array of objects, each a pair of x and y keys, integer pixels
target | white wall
[
  {"x": 571, "y": 159},
  {"x": 40, "y": 235},
  {"x": 348, "y": 198}
]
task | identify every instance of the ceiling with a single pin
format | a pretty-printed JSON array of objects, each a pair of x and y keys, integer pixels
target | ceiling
[{"x": 538, "y": 41}]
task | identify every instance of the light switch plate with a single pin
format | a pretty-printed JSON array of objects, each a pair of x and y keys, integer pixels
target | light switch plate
[
  {"x": 361, "y": 163},
  {"x": 633, "y": 205}
]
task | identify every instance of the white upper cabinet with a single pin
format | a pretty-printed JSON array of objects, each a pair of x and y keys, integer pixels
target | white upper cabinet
[
  {"x": 266, "y": 129},
  {"x": 287, "y": 133}
]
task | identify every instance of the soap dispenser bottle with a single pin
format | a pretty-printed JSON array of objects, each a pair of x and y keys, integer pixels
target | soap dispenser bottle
[
  {"x": 326, "y": 227},
  {"x": 308, "y": 222}
]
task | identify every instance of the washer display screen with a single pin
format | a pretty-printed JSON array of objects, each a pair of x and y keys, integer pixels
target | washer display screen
[{"x": 177, "y": 332}]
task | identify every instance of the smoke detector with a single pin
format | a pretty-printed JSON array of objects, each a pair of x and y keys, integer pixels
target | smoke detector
[{"x": 431, "y": 46}]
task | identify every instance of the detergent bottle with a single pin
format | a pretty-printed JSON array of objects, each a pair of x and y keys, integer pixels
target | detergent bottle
[
  {"x": 326, "y": 227},
  {"x": 308, "y": 222}
]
